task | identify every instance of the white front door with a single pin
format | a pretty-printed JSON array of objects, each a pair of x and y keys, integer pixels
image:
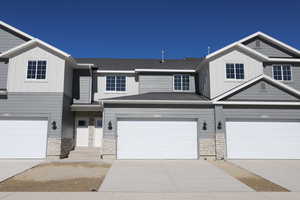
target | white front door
[
  {"x": 263, "y": 140},
  {"x": 82, "y": 132},
  {"x": 139, "y": 139},
  {"x": 98, "y": 133},
  {"x": 23, "y": 138}
]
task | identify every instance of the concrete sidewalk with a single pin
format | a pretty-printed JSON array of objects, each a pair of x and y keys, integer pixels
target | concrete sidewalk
[
  {"x": 150, "y": 196},
  {"x": 282, "y": 172},
  {"x": 169, "y": 176},
  {"x": 9, "y": 168}
]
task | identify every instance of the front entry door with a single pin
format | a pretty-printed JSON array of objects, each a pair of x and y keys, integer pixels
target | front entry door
[
  {"x": 82, "y": 132},
  {"x": 98, "y": 132}
]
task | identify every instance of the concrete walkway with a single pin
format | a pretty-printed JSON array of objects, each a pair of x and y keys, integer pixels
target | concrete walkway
[
  {"x": 9, "y": 168},
  {"x": 282, "y": 172},
  {"x": 150, "y": 196},
  {"x": 169, "y": 176}
]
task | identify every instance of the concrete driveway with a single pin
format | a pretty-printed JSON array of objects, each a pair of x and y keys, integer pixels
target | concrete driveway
[
  {"x": 169, "y": 176},
  {"x": 9, "y": 168},
  {"x": 285, "y": 173}
]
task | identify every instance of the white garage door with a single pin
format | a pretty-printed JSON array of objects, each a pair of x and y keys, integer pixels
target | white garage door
[
  {"x": 157, "y": 140},
  {"x": 23, "y": 138},
  {"x": 263, "y": 140}
]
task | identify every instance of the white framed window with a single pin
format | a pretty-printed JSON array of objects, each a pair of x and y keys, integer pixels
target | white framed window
[
  {"x": 282, "y": 72},
  {"x": 181, "y": 82},
  {"x": 235, "y": 71},
  {"x": 115, "y": 83},
  {"x": 36, "y": 69}
]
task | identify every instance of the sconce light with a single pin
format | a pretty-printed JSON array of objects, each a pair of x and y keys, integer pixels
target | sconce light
[
  {"x": 109, "y": 125},
  {"x": 54, "y": 127},
  {"x": 219, "y": 125},
  {"x": 204, "y": 127}
]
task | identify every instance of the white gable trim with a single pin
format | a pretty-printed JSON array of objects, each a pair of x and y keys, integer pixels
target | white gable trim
[
  {"x": 16, "y": 30},
  {"x": 278, "y": 83},
  {"x": 281, "y": 103},
  {"x": 263, "y": 35},
  {"x": 34, "y": 41}
]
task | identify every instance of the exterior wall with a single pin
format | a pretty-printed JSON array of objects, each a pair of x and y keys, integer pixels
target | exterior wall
[
  {"x": 3, "y": 75},
  {"x": 219, "y": 84},
  {"x": 17, "y": 72},
  {"x": 161, "y": 83},
  {"x": 82, "y": 81},
  {"x": 295, "y": 83},
  {"x": 132, "y": 87},
  {"x": 268, "y": 49},
  {"x": 46, "y": 105},
  {"x": 263, "y": 91},
  {"x": 202, "y": 114},
  {"x": 9, "y": 40},
  {"x": 204, "y": 80}
]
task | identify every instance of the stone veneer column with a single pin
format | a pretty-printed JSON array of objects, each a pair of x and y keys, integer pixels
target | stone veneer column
[
  {"x": 220, "y": 133},
  {"x": 109, "y": 146}
]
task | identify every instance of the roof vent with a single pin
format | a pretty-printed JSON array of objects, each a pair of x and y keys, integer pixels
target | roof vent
[{"x": 162, "y": 56}]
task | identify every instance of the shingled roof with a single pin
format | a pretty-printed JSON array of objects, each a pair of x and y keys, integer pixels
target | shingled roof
[
  {"x": 179, "y": 96},
  {"x": 131, "y": 64}
]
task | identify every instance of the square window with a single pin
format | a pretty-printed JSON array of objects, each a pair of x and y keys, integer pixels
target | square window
[
  {"x": 282, "y": 72},
  {"x": 181, "y": 82},
  {"x": 36, "y": 69},
  {"x": 82, "y": 123},
  {"x": 98, "y": 123},
  {"x": 115, "y": 83},
  {"x": 235, "y": 71}
]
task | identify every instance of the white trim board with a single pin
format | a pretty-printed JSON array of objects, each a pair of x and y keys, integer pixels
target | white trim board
[
  {"x": 16, "y": 30},
  {"x": 261, "y": 77},
  {"x": 34, "y": 41},
  {"x": 265, "y": 36}
]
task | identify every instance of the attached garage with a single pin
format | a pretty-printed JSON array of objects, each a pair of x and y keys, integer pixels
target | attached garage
[
  {"x": 152, "y": 139},
  {"x": 263, "y": 140},
  {"x": 23, "y": 138}
]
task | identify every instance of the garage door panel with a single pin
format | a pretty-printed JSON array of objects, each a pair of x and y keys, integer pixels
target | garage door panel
[
  {"x": 157, "y": 140},
  {"x": 23, "y": 138},
  {"x": 263, "y": 140}
]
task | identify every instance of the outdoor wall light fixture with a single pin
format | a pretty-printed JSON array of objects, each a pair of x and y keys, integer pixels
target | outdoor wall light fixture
[
  {"x": 219, "y": 125},
  {"x": 54, "y": 126},
  {"x": 109, "y": 125},
  {"x": 204, "y": 127}
]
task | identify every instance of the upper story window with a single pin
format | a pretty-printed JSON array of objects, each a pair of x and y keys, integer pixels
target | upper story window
[
  {"x": 115, "y": 83},
  {"x": 36, "y": 69},
  {"x": 282, "y": 72},
  {"x": 181, "y": 82},
  {"x": 235, "y": 71}
]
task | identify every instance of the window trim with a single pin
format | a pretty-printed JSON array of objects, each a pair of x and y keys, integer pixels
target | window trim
[
  {"x": 234, "y": 79},
  {"x": 115, "y": 91},
  {"x": 174, "y": 90},
  {"x": 35, "y": 79},
  {"x": 281, "y": 65}
]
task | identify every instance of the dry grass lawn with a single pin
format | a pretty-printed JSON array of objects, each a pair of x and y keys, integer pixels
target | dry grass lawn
[{"x": 58, "y": 177}]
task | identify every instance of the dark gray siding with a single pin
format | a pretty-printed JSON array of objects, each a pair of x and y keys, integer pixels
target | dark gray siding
[
  {"x": 295, "y": 83},
  {"x": 160, "y": 83},
  {"x": 263, "y": 91},
  {"x": 82, "y": 86},
  {"x": 68, "y": 130},
  {"x": 268, "y": 49},
  {"x": 261, "y": 113},
  {"x": 3, "y": 75},
  {"x": 203, "y": 114},
  {"x": 9, "y": 40},
  {"x": 35, "y": 105},
  {"x": 204, "y": 82}
]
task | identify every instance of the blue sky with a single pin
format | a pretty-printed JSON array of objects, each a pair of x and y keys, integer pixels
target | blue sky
[{"x": 140, "y": 29}]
